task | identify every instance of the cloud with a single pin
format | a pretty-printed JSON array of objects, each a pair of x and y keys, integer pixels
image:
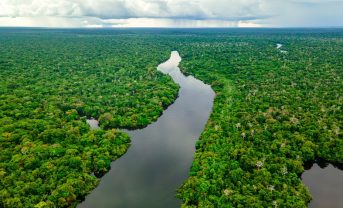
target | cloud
[
  {"x": 172, "y": 12},
  {"x": 306, "y": 13},
  {"x": 119, "y": 9},
  {"x": 167, "y": 22}
]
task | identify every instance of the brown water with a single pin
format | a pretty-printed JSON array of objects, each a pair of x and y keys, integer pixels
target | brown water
[
  {"x": 160, "y": 156},
  {"x": 325, "y": 182}
]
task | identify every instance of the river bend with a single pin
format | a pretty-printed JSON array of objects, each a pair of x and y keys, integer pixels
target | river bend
[{"x": 161, "y": 154}]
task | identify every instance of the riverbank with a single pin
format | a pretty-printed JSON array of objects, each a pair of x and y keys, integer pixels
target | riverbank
[{"x": 161, "y": 154}]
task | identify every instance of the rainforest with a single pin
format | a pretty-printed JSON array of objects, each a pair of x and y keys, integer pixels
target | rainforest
[{"x": 277, "y": 107}]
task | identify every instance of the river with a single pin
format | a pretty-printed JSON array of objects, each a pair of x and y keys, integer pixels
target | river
[
  {"x": 325, "y": 182},
  {"x": 161, "y": 154},
  {"x": 279, "y": 46}
]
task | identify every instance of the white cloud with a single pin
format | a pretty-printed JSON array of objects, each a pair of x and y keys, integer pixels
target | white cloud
[
  {"x": 307, "y": 13},
  {"x": 196, "y": 9},
  {"x": 164, "y": 22},
  {"x": 198, "y": 13},
  {"x": 49, "y": 22},
  {"x": 91, "y": 22}
]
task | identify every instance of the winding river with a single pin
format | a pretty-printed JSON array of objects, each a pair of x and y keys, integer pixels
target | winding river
[{"x": 161, "y": 154}]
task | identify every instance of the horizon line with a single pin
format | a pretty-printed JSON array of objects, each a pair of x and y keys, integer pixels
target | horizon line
[{"x": 99, "y": 28}]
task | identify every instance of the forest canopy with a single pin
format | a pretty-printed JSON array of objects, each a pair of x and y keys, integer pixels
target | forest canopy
[
  {"x": 51, "y": 82},
  {"x": 274, "y": 110}
]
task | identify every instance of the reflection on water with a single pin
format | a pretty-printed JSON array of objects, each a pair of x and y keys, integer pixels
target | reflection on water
[
  {"x": 278, "y": 46},
  {"x": 325, "y": 182},
  {"x": 160, "y": 156}
]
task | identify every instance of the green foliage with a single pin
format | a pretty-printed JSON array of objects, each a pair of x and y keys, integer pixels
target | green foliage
[
  {"x": 273, "y": 112},
  {"x": 50, "y": 83}
]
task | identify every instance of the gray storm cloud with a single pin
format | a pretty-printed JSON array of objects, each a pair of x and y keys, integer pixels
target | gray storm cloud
[
  {"x": 99, "y": 12},
  {"x": 121, "y": 9}
]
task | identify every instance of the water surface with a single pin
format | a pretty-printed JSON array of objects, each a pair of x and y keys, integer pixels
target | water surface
[
  {"x": 160, "y": 156},
  {"x": 279, "y": 46},
  {"x": 325, "y": 182}
]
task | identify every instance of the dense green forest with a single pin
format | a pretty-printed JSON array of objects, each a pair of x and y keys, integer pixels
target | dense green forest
[
  {"x": 50, "y": 83},
  {"x": 273, "y": 111}
]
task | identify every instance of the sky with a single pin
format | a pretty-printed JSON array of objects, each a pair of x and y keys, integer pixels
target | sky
[{"x": 171, "y": 13}]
